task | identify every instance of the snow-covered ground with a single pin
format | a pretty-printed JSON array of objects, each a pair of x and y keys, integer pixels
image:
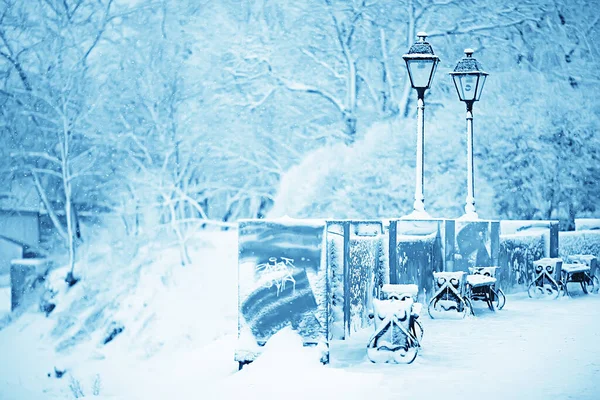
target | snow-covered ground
[
  {"x": 4, "y": 300},
  {"x": 180, "y": 334}
]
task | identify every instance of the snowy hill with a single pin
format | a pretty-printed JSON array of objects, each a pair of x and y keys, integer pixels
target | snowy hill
[{"x": 173, "y": 320}]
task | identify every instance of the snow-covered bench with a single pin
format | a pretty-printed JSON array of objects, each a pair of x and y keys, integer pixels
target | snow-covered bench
[
  {"x": 450, "y": 295},
  {"x": 397, "y": 332},
  {"x": 579, "y": 272},
  {"x": 480, "y": 280},
  {"x": 481, "y": 285},
  {"x": 547, "y": 278},
  {"x": 587, "y": 259}
]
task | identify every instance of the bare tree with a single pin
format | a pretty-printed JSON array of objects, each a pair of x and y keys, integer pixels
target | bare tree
[{"x": 56, "y": 103}]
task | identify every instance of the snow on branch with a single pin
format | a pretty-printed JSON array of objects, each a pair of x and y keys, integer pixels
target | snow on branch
[
  {"x": 301, "y": 87},
  {"x": 37, "y": 154},
  {"x": 261, "y": 167},
  {"x": 47, "y": 172},
  {"x": 429, "y": 6},
  {"x": 255, "y": 104},
  {"x": 322, "y": 63},
  {"x": 456, "y": 31}
]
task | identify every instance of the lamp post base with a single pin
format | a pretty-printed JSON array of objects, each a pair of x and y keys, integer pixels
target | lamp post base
[
  {"x": 469, "y": 216},
  {"x": 417, "y": 215}
]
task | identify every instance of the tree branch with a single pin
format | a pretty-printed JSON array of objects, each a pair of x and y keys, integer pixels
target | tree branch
[
  {"x": 37, "y": 154},
  {"x": 105, "y": 22},
  {"x": 323, "y": 64},
  {"x": 47, "y": 172},
  {"x": 300, "y": 87},
  {"x": 457, "y": 31}
]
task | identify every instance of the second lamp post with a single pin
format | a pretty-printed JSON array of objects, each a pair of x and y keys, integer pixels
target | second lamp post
[
  {"x": 469, "y": 78},
  {"x": 421, "y": 63}
]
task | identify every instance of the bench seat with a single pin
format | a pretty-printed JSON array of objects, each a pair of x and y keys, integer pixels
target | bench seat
[
  {"x": 574, "y": 268},
  {"x": 480, "y": 280}
]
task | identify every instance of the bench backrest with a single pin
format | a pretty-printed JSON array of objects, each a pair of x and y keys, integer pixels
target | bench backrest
[
  {"x": 552, "y": 266},
  {"x": 396, "y": 310},
  {"x": 454, "y": 279},
  {"x": 399, "y": 292},
  {"x": 486, "y": 271}
]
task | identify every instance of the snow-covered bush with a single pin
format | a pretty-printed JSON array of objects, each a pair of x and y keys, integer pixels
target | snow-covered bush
[
  {"x": 517, "y": 254},
  {"x": 335, "y": 245},
  {"x": 363, "y": 264},
  {"x": 579, "y": 242}
]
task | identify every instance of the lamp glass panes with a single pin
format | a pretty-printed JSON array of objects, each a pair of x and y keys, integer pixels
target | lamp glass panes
[
  {"x": 469, "y": 85},
  {"x": 469, "y": 78},
  {"x": 421, "y": 71},
  {"x": 421, "y": 63}
]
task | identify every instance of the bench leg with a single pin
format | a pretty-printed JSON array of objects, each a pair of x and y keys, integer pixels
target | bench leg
[
  {"x": 470, "y": 306},
  {"x": 565, "y": 287},
  {"x": 584, "y": 287},
  {"x": 489, "y": 300},
  {"x": 488, "y": 297},
  {"x": 241, "y": 364},
  {"x": 589, "y": 284}
]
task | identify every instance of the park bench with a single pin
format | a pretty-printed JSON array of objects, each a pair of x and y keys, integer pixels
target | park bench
[
  {"x": 481, "y": 286},
  {"x": 397, "y": 332},
  {"x": 450, "y": 295},
  {"x": 589, "y": 260},
  {"x": 577, "y": 271},
  {"x": 547, "y": 279}
]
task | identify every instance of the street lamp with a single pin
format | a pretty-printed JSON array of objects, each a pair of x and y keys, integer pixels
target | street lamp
[
  {"x": 421, "y": 64},
  {"x": 469, "y": 78}
]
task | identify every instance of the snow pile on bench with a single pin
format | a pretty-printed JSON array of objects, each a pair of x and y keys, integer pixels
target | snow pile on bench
[
  {"x": 480, "y": 280},
  {"x": 573, "y": 268},
  {"x": 410, "y": 289}
]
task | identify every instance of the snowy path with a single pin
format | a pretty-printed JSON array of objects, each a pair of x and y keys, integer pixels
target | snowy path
[{"x": 529, "y": 350}]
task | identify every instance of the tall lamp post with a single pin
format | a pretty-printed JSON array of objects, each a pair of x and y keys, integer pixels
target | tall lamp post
[
  {"x": 469, "y": 78},
  {"x": 421, "y": 63}
]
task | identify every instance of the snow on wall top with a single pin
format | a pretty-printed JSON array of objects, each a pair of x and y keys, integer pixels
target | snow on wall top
[
  {"x": 584, "y": 224},
  {"x": 581, "y": 232},
  {"x": 285, "y": 221},
  {"x": 515, "y": 226}
]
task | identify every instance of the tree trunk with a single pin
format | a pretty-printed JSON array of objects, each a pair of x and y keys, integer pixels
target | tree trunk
[
  {"x": 404, "y": 105},
  {"x": 388, "y": 103},
  {"x": 350, "y": 127}
]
